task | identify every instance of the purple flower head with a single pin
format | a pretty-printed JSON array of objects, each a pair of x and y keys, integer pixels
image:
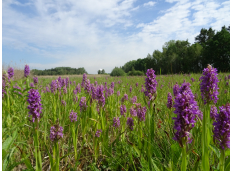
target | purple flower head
[
  {"x": 125, "y": 96},
  {"x": 133, "y": 111},
  {"x": 65, "y": 89},
  {"x": 82, "y": 104},
  {"x": 186, "y": 109},
  {"x": 112, "y": 85},
  {"x": 63, "y": 83},
  {"x": 75, "y": 99},
  {"x": 116, "y": 122},
  {"x": 150, "y": 84},
  {"x": 175, "y": 89},
  {"x": 26, "y": 71},
  {"x": 87, "y": 87},
  {"x": 78, "y": 88},
  {"x": 193, "y": 79},
  {"x": 118, "y": 93},
  {"x": 96, "y": 83},
  {"x": 169, "y": 103},
  {"x": 47, "y": 89},
  {"x": 73, "y": 116},
  {"x": 35, "y": 80},
  {"x": 98, "y": 132},
  {"x": 213, "y": 112},
  {"x": 130, "y": 89},
  {"x": 225, "y": 91},
  {"x": 142, "y": 89},
  {"x": 130, "y": 123},
  {"x": 141, "y": 113},
  {"x": 227, "y": 83},
  {"x": 63, "y": 103},
  {"x": 84, "y": 80},
  {"x": 32, "y": 85},
  {"x": 93, "y": 91},
  {"x": 10, "y": 73},
  {"x": 53, "y": 86},
  {"x": 137, "y": 84},
  {"x": 222, "y": 127},
  {"x": 56, "y": 132},
  {"x": 34, "y": 106},
  {"x": 100, "y": 96},
  {"x": 123, "y": 110},
  {"x": 134, "y": 99},
  {"x": 208, "y": 85},
  {"x": 75, "y": 92}
]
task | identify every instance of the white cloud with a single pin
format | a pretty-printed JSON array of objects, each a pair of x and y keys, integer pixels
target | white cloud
[
  {"x": 85, "y": 34},
  {"x": 150, "y": 3}
]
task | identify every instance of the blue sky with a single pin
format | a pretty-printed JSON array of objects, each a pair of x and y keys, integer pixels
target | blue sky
[{"x": 97, "y": 34}]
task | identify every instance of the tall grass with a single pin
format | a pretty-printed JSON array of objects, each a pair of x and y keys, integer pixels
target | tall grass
[{"x": 147, "y": 145}]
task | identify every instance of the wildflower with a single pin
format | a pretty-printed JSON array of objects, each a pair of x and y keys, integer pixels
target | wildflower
[
  {"x": 65, "y": 89},
  {"x": 32, "y": 85},
  {"x": 10, "y": 73},
  {"x": 137, "y": 84},
  {"x": 192, "y": 79},
  {"x": 123, "y": 110},
  {"x": 222, "y": 127},
  {"x": 100, "y": 96},
  {"x": 118, "y": 93},
  {"x": 87, "y": 87},
  {"x": 84, "y": 80},
  {"x": 208, "y": 85},
  {"x": 35, "y": 80},
  {"x": 110, "y": 91},
  {"x": 133, "y": 111},
  {"x": 130, "y": 89},
  {"x": 141, "y": 112},
  {"x": 175, "y": 89},
  {"x": 213, "y": 112},
  {"x": 75, "y": 99},
  {"x": 186, "y": 109},
  {"x": 82, "y": 104},
  {"x": 56, "y": 132},
  {"x": 169, "y": 103},
  {"x": 34, "y": 106},
  {"x": 63, "y": 102},
  {"x": 47, "y": 89},
  {"x": 93, "y": 91},
  {"x": 116, "y": 122},
  {"x": 112, "y": 85},
  {"x": 78, "y": 88},
  {"x": 150, "y": 84},
  {"x": 73, "y": 116},
  {"x": 53, "y": 86},
  {"x": 134, "y": 99},
  {"x": 130, "y": 123},
  {"x": 98, "y": 132},
  {"x": 26, "y": 71}
]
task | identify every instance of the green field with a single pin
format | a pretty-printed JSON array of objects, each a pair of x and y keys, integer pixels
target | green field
[{"x": 26, "y": 145}]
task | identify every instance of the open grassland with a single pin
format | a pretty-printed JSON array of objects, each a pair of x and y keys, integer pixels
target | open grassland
[{"x": 96, "y": 140}]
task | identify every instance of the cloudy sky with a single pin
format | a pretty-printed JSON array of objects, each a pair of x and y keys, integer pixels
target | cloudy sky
[{"x": 98, "y": 34}]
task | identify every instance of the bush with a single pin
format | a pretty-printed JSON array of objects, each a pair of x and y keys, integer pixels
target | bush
[
  {"x": 135, "y": 73},
  {"x": 117, "y": 72}
]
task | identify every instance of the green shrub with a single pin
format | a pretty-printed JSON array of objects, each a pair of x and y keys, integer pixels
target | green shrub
[
  {"x": 117, "y": 72},
  {"x": 135, "y": 73}
]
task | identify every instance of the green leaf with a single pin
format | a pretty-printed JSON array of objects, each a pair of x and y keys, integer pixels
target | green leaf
[
  {"x": 175, "y": 152},
  {"x": 7, "y": 143},
  {"x": 227, "y": 164},
  {"x": 227, "y": 152},
  {"x": 154, "y": 166},
  {"x": 215, "y": 150}
]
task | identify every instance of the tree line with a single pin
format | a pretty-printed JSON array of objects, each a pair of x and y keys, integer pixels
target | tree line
[
  {"x": 60, "y": 71},
  {"x": 180, "y": 56}
]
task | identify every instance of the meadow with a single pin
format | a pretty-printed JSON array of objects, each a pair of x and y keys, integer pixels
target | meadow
[{"x": 110, "y": 123}]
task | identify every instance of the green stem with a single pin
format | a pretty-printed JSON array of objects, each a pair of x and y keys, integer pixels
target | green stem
[
  {"x": 222, "y": 160},
  {"x": 184, "y": 157},
  {"x": 206, "y": 138}
]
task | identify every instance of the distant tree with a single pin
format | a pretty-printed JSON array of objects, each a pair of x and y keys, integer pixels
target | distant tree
[
  {"x": 204, "y": 36},
  {"x": 103, "y": 71},
  {"x": 217, "y": 50},
  {"x": 99, "y": 72},
  {"x": 117, "y": 72}
]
